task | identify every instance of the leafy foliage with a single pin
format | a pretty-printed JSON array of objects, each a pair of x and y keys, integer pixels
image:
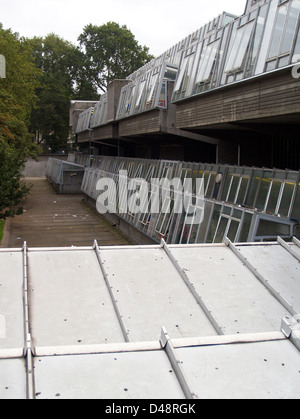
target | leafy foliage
[
  {"x": 43, "y": 75},
  {"x": 112, "y": 52},
  {"x": 17, "y": 98},
  {"x": 49, "y": 120}
]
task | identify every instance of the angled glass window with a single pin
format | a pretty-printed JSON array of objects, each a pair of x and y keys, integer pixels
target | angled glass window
[
  {"x": 170, "y": 73},
  {"x": 162, "y": 99},
  {"x": 269, "y": 229},
  {"x": 297, "y": 49},
  {"x": 286, "y": 199},
  {"x": 246, "y": 224},
  {"x": 239, "y": 47},
  {"x": 278, "y": 30},
  {"x": 256, "y": 41},
  {"x": 291, "y": 24},
  {"x": 185, "y": 77},
  {"x": 296, "y": 209},
  {"x": 207, "y": 61},
  {"x": 99, "y": 117},
  {"x": 152, "y": 87},
  {"x": 141, "y": 89},
  {"x": 263, "y": 192},
  {"x": 267, "y": 36},
  {"x": 284, "y": 29}
]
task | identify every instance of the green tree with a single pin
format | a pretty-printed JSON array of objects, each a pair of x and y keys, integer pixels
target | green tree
[
  {"x": 61, "y": 64},
  {"x": 112, "y": 52},
  {"x": 17, "y": 98}
]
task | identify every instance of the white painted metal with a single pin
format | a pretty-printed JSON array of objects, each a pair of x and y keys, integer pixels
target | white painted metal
[
  {"x": 228, "y": 339},
  {"x": 11, "y": 300},
  {"x": 70, "y": 304},
  {"x": 265, "y": 370},
  {"x": 111, "y": 293},
  {"x": 192, "y": 289},
  {"x": 279, "y": 268},
  {"x": 12, "y": 379},
  {"x": 74, "y": 346},
  {"x": 151, "y": 293},
  {"x": 289, "y": 248},
  {"x": 170, "y": 351},
  {"x": 238, "y": 302},
  {"x": 108, "y": 376}
]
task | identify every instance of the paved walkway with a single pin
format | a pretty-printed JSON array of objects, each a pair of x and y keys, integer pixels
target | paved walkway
[{"x": 52, "y": 220}]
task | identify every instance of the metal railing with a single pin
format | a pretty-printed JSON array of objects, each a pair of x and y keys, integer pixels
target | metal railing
[{"x": 242, "y": 203}]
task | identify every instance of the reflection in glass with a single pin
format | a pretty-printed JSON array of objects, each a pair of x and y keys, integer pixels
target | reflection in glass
[
  {"x": 278, "y": 30},
  {"x": 269, "y": 228},
  {"x": 290, "y": 27},
  {"x": 286, "y": 199},
  {"x": 254, "y": 48}
]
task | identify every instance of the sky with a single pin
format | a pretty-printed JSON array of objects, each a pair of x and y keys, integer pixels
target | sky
[{"x": 158, "y": 24}]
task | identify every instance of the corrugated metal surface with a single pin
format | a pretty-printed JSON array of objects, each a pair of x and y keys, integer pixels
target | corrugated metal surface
[{"x": 185, "y": 321}]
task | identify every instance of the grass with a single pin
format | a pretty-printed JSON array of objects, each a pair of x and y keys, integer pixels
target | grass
[{"x": 2, "y": 223}]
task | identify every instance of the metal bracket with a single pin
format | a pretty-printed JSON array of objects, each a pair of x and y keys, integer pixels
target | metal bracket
[
  {"x": 167, "y": 345},
  {"x": 296, "y": 241},
  {"x": 192, "y": 289},
  {"x": 112, "y": 296},
  {"x": 288, "y": 248},
  {"x": 28, "y": 349},
  {"x": 263, "y": 280},
  {"x": 292, "y": 330}
]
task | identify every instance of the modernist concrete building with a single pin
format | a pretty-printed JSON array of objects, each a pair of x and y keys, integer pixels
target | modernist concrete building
[{"x": 228, "y": 93}]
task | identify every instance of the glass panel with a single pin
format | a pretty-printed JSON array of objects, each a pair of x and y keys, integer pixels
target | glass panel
[
  {"x": 221, "y": 230},
  {"x": 226, "y": 186},
  {"x": 296, "y": 210},
  {"x": 233, "y": 230},
  {"x": 286, "y": 199},
  {"x": 270, "y": 228},
  {"x": 273, "y": 200},
  {"x": 204, "y": 224},
  {"x": 263, "y": 193},
  {"x": 246, "y": 228},
  {"x": 240, "y": 47},
  {"x": 278, "y": 29},
  {"x": 242, "y": 191},
  {"x": 211, "y": 185},
  {"x": 207, "y": 60},
  {"x": 178, "y": 83},
  {"x": 290, "y": 27},
  {"x": 271, "y": 65},
  {"x": 284, "y": 61},
  {"x": 187, "y": 75},
  {"x": 237, "y": 214},
  {"x": 234, "y": 46},
  {"x": 253, "y": 188},
  {"x": 226, "y": 210},
  {"x": 297, "y": 48},
  {"x": 170, "y": 73},
  {"x": 141, "y": 91},
  {"x": 214, "y": 223},
  {"x": 234, "y": 187},
  {"x": 268, "y": 29},
  {"x": 162, "y": 100},
  {"x": 194, "y": 232},
  {"x": 151, "y": 88}
]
